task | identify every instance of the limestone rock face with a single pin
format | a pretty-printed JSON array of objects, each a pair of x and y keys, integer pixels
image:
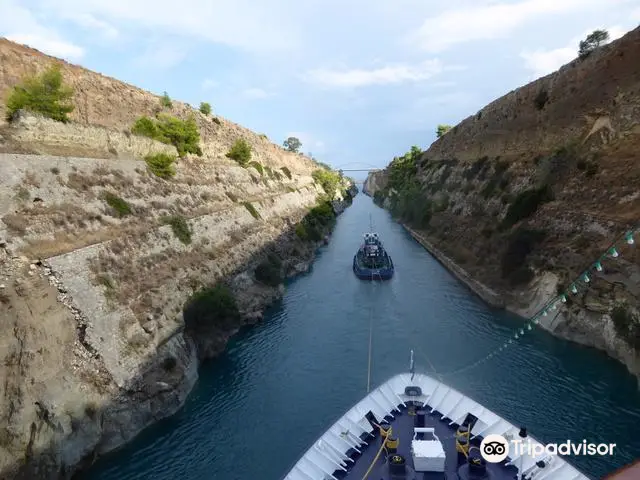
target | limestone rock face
[
  {"x": 98, "y": 257},
  {"x": 574, "y": 134}
]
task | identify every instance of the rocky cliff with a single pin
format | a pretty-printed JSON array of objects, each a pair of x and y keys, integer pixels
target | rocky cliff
[
  {"x": 103, "y": 262},
  {"x": 527, "y": 193}
]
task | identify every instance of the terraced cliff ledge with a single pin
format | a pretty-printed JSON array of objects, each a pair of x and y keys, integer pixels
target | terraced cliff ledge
[
  {"x": 520, "y": 198},
  {"x": 127, "y": 257}
]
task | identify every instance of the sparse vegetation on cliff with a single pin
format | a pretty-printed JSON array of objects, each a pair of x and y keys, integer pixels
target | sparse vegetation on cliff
[
  {"x": 211, "y": 309},
  {"x": 44, "y": 94},
  {"x": 257, "y": 166},
  {"x": 182, "y": 134},
  {"x": 627, "y": 324},
  {"x": 442, "y": 129},
  {"x": 119, "y": 206},
  {"x": 328, "y": 180},
  {"x": 541, "y": 99},
  {"x": 161, "y": 165},
  {"x": 269, "y": 271},
  {"x": 408, "y": 201},
  {"x": 252, "y": 210},
  {"x": 180, "y": 228},
  {"x": 287, "y": 172},
  {"x": 526, "y": 204},
  {"x": 165, "y": 100},
  {"x": 240, "y": 152},
  {"x": 205, "y": 108},
  {"x": 514, "y": 260}
]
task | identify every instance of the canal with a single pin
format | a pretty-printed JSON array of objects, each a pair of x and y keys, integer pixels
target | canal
[{"x": 259, "y": 406}]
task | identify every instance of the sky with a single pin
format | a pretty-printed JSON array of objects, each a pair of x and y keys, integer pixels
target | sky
[{"x": 358, "y": 82}]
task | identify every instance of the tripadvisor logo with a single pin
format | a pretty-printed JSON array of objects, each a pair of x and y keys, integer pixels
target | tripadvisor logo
[{"x": 496, "y": 448}]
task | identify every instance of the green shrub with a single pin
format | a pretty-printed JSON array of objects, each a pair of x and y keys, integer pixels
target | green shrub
[
  {"x": 182, "y": 134},
  {"x": 240, "y": 152},
  {"x": 328, "y": 180},
  {"x": 205, "y": 108},
  {"x": 165, "y": 100},
  {"x": 145, "y": 127},
  {"x": 252, "y": 210},
  {"x": 287, "y": 172},
  {"x": 180, "y": 228},
  {"x": 212, "y": 308},
  {"x": 520, "y": 244},
  {"x": 627, "y": 325},
  {"x": 541, "y": 99},
  {"x": 269, "y": 271},
  {"x": 301, "y": 232},
  {"x": 526, "y": 204},
  {"x": 44, "y": 94},
  {"x": 120, "y": 206},
  {"x": 257, "y": 166},
  {"x": 161, "y": 165}
]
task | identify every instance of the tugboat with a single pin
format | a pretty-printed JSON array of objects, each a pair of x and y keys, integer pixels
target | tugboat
[{"x": 372, "y": 262}]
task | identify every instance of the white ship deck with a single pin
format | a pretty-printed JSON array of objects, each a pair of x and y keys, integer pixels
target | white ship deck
[{"x": 349, "y": 447}]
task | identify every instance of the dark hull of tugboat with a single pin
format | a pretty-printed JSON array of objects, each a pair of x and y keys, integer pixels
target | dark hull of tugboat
[{"x": 364, "y": 273}]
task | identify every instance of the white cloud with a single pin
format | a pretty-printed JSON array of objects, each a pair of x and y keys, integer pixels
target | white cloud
[
  {"x": 246, "y": 24},
  {"x": 490, "y": 21},
  {"x": 19, "y": 25},
  {"x": 544, "y": 62},
  {"x": 162, "y": 56},
  {"x": 388, "y": 75},
  {"x": 256, "y": 93},
  {"x": 49, "y": 45},
  {"x": 89, "y": 22}
]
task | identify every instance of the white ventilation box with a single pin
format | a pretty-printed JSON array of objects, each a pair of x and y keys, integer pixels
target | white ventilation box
[{"x": 428, "y": 455}]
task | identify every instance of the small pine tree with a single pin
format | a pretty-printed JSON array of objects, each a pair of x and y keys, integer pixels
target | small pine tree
[
  {"x": 44, "y": 94},
  {"x": 593, "y": 41},
  {"x": 442, "y": 129},
  {"x": 165, "y": 100}
]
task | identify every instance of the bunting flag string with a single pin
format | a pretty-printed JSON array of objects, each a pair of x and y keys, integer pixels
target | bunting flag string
[{"x": 554, "y": 305}]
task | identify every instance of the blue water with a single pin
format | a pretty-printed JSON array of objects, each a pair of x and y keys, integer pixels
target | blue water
[{"x": 280, "y": 384}]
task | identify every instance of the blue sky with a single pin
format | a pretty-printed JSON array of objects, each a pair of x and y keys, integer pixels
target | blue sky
[{"x": 357, "y": 81}]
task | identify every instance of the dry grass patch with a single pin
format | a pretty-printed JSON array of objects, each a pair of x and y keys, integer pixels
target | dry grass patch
[
  {"x": 16, "y": 223},
  {"x": 31, "y": 179}
]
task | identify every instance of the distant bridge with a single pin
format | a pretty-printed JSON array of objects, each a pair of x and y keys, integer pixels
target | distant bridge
[{"x": 360, "y": 169}]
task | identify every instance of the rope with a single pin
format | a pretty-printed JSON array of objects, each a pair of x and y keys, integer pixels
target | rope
[
  {"x": 370, "y": 349},
  {"x": 382, "y": 447}
]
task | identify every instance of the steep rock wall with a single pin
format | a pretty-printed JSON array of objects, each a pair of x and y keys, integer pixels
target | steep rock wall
[
  {"x": 98, "y": 257},
  {"x": 579, "y": 151}
]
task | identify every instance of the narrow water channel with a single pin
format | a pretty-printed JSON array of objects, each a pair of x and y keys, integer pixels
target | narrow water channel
[{"x": 258, "y": 407}]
